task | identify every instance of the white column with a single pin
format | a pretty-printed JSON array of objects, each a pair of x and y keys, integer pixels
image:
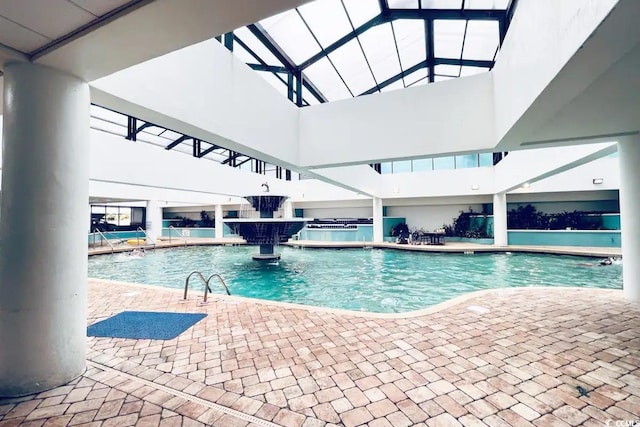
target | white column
[
  {"x": 288, "y": 209},
  {"x": 153, "y": 226},
  {"x": 43, "y": 233},
  {"x": 377, "y": 221},
  {"x": 219, "y": 221},
  {"x": 500, "y": 235},
  {"x": 629, "y": 151}
]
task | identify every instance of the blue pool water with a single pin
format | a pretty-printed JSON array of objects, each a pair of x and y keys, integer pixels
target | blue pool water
[{"x": 372, "y": 280}]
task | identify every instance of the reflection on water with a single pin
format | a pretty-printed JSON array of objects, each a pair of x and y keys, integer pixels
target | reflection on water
[{"x": 355, "y": 279}]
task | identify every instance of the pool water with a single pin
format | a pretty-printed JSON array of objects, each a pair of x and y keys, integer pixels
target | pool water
[{"x": 374, "y": 280}]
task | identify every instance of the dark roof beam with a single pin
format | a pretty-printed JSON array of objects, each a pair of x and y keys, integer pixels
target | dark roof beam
[
  {"x": 177, "y": 142},
  {"x": 278, "y": 52},
  {"x": 464, "y": 62},
  {"x": 208, "y": 150},
  {"x": 393, "y": 14},
  {"x": 269, "y": 68}
]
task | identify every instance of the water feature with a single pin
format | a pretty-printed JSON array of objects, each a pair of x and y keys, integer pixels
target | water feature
[{"x": 266, "y": 231}]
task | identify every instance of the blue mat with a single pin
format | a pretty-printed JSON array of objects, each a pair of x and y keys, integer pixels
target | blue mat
[{"x": 145, "y": 325}]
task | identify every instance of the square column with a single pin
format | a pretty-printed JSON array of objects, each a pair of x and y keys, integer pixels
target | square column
[
  {"x": 500, "y": 234},
  {"x": 153, "y": 227},
  {"x": 43, "y": 232},
  {"x": 629, "y": 149},
  {"x": 378, "y": 231},
  {"x": 219, "y": 221}
]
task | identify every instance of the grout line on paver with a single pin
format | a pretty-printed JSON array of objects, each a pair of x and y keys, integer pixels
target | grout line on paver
[{"x": 178, "y": 393}]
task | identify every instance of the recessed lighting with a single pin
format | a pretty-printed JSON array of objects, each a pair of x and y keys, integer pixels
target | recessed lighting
[
  {"x": 598, "y": 180},
  {"x": 396, "y": 190},
  {"x": 475, "y": 187},
  {"x": 526, "y": 185}
]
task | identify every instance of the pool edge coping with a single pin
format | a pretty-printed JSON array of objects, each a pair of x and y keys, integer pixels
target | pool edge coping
[{"x": 365, "y": 314}]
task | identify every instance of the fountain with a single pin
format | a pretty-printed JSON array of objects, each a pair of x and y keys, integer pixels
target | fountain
[{"x": 266, "y": 231}]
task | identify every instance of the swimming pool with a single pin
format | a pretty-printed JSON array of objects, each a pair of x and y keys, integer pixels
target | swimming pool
[{"x": 374, "y": 280}]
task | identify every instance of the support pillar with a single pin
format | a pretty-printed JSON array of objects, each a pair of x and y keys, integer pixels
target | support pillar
[
  {"x": 629, "y": 150},
  {"x": 288, "y": 209},
  {"x": 153, "y": 227},
  {"x": 219, "y": 221},
  {"x": 378, "y": 231},
  {"x": 500, "y": 234},
  {"x": 43, "y": 233}
]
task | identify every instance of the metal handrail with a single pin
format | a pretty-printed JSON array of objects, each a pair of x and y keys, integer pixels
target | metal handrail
[
  {"x": 104, "y": 238},
  {"x": 146, "y": 236},
  {"x": 172, "y": 228},
  {"x": 205, "y": 282}
]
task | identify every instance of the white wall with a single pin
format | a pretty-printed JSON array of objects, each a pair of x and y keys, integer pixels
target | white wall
[
  {"x": 117, "y": 160},
  {"x": 543, "y": 36},
  {"x": 524, "y": 166},
  {"x": 431, "y": 217},
  {"x": 439, "y": 118},
  {"x": 205, "y": 92}
]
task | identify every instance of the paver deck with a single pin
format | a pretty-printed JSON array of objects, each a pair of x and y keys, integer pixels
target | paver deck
[{"x": 516, "y": 357}]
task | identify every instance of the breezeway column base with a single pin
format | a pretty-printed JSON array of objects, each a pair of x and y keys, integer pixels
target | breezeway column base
[
  {"x": 43, "y": 232},
  {"x": 629, "y": 149}
]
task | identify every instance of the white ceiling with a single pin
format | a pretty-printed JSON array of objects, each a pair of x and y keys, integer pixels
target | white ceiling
[{"x": 27, "y": 25}]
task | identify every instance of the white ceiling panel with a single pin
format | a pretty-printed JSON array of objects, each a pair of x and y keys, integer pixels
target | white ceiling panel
[
  {"x": 50, "y": 18},
  {"x": 19, "y": 37},
  {"x": 99, "y": 7}
]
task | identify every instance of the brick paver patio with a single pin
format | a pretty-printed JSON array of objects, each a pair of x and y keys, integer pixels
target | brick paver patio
[{"x": 516, "y": 357}]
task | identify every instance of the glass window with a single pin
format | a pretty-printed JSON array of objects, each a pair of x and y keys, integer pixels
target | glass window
[
  {"x": 380, "y": 48},
  {"x": 422, "y": 165},
  {"x": 403, "y": 4},
  {"x": 416, "y": 76},
  {"x": 327, "y": 19},
  {"x": 327, "y": 80},
  {"x": 410, "y": 40},
  {"x": 442, "y": 163},
  {"x": 486, "y": 159},
  {"x": 447, "y": 37},
  {"x": 467, "y": 161},
  {"x": 124, "y": 216},
  {"x": 486, "y": 4},
  {"x": 400, "y": 166},
  {"x": 361, "y": 11},
  {"x": 256, "y": 46},
  {"x": 441, "y": 4},
  {"x": 482, "y": 40},
  {"x": 385, "y": 168},
  {"x": 292, "y": 35},
  {"x": 352, "y": 66},
  {"x": 447, "y": 70}
]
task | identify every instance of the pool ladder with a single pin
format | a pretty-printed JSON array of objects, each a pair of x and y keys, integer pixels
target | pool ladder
[{"x": 205, "y": 282}]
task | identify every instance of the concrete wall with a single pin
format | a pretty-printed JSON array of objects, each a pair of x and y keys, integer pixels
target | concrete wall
[
  {"x": 441, "y": 118},
  {"x": 206, "y": 92},
  {"x": 543, "y": 36}
]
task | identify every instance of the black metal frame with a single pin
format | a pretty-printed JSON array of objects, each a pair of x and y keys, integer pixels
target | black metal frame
[
  {"x": 295, "y": 80},
  {"x": 200, "y": 148}
]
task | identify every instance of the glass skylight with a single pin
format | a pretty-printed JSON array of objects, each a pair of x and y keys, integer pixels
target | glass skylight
[{"x": 347, "y": 48}]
